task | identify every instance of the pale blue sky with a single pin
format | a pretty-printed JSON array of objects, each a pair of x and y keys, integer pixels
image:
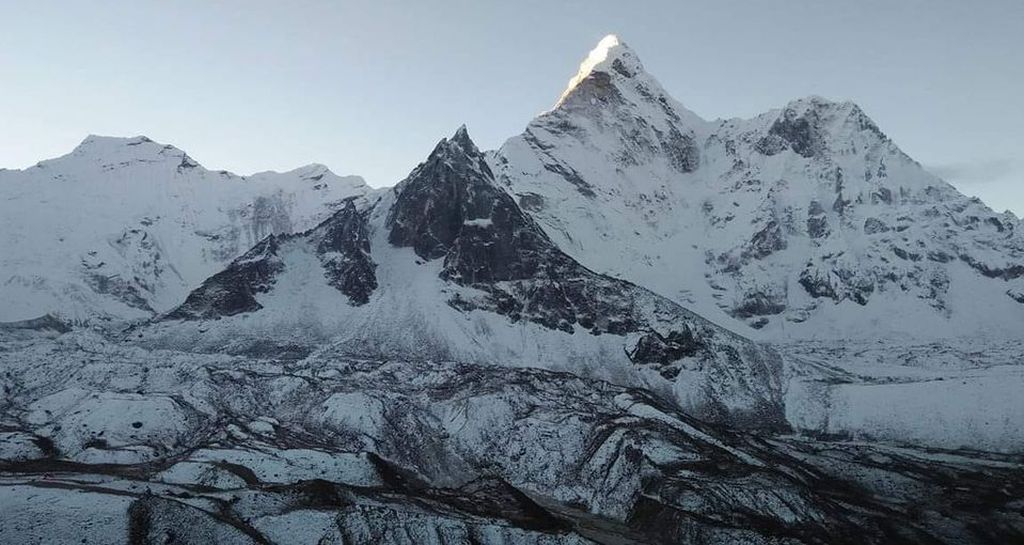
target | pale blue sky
[{"x": 368, "y": 87}]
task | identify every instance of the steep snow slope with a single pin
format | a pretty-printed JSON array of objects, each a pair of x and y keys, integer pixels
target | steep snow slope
[
  {"x": 801, "y": 222},
  {"x": 125, "y": 227},
  {"x": 447, "y": 267}
]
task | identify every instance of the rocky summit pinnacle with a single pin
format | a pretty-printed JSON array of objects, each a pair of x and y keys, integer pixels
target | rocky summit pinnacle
[{"x": 439, "y": 197}]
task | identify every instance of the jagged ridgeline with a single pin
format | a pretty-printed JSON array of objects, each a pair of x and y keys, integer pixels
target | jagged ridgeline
[{"x": 448, "y": 267}]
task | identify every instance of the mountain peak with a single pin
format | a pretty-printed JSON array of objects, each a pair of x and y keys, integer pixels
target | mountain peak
[
  {"x": 118, "y": 150},
  {"x": 97, "y": 143},
  {"x": 610, "y": 54},
  {"x": 612, "y": 79},
  {"x": 462, "y": 139},
  {"x": 460, "y": 143}
]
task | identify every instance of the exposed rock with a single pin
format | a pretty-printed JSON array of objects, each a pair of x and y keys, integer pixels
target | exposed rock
[
  {"x": 652, "y": 347},
  {"x": 1016, "y": 295},
  {"x": 817, "y": 221},
  {"x": 759, "y": 303},
  {"x": 233, "y": 290},
  {"x": 836, "y": 284},
  {"x": 341, "y": 243},
  {"x": 681, "y": 150},
  {"x": 768, "y": 240},
  {"x": 344, "y": 250},
  {"x": 874, "y": 225}
]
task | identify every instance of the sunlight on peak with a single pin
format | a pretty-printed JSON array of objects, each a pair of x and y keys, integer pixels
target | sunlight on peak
[
  {"x": 596, "y": 56},
  {"x": 604, "y": 45}
]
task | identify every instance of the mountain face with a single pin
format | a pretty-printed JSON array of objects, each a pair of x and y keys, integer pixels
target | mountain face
[
  {"x": 801, "y": 222},
  {"x": 123, "y": 228},
  {"x": 447, "y": 267}
]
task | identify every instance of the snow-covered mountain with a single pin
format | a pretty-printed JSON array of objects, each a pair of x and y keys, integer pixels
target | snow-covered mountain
[
  {"x": 503, "y": 347},
  {"x": 805, "y": 221},
  {"x": 446, "y": 267},
  {"x": 125, "y": 227}
]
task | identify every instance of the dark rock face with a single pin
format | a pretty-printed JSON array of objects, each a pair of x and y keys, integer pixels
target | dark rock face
[
  {"x": 840, "y": 204},
  {"x": 883, "y": 194},
  {"x": 802, "y": 132},
  {"x": 1007, "y": 272},
  {"x": 759, "y": 303},
  {"x": 817, "y": 227},
  {"x": 656, "y": 348},
  {"x": 837, "y": 284},
  {"x": 798, "y": 133},
  {"x": 906, "y": 255},
  {"x": 531, "y": 202},
  {"x": 125, "y": 291},
  {"x": 344, "y": 251},
  {"x": 232, "y": 291},
  {"x": 341, "y": 243},
  {"x": 572, "y": 177},
  {"x": 1016, "y": 295},
  {"x": 817, "y": 221},
  {"x": 450, "y": 208},
  {"x": 767, "y": 241},
  {"x": 438, "y": 198},
  {"x": 792, "y": 131},
  {"x": 681, "y": 150},
  {"x": 875, "y": 225}
]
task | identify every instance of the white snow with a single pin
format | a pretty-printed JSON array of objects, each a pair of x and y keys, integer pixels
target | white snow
[
  {"x": 479, "y": 222},
  {"x": 35, "y": 514},
  {"x": 949, "y": 394},
  {"x": 76, "y": 419},
  {"x": 146, "y": 219},
  {"x": 684, "y": 234}
]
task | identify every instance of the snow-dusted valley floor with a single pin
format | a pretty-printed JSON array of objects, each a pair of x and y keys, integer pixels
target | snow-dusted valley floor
[{"x": 109, "y": 442}]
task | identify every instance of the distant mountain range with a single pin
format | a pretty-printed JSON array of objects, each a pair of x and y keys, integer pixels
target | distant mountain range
[{"x": 123, "y": 228}]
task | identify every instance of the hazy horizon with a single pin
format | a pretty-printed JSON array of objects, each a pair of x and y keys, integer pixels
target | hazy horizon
[{"x": 368, "y": 88}]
